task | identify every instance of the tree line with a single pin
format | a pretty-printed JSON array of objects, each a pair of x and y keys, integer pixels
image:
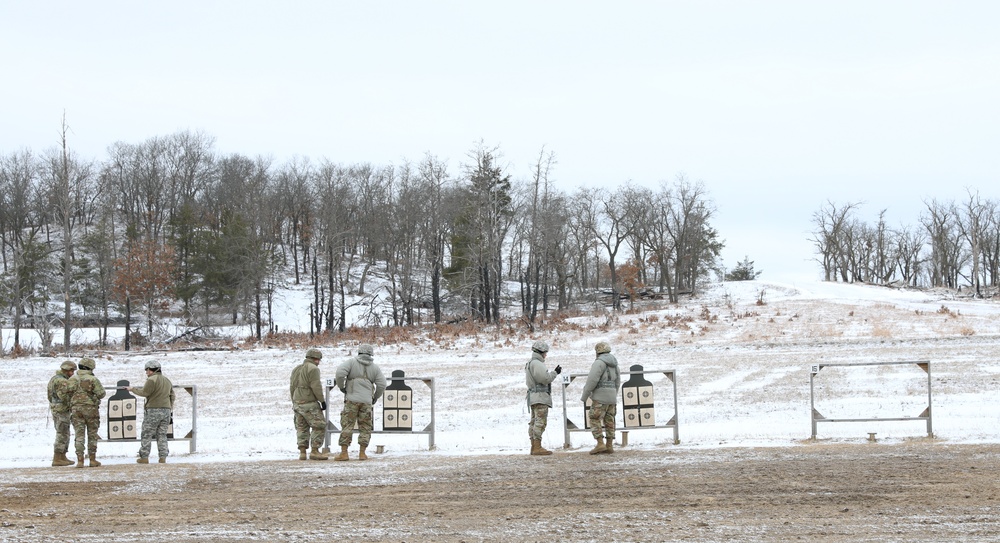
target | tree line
[
  {"x": 170, "y": 226},
  {"x": 955, "y": 244}
]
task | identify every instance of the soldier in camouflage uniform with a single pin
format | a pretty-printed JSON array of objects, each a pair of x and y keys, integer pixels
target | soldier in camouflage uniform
[
  {"x": 362, "y": 383},
  {"x": 159, "y": 394},
  {"x": 60, "y": 412},
  {"x": 539, "y": 397},
  {"x": 602, "y": 386},
  {"x": 84, "y": 395},
  {"x": 308, "y": 403}
]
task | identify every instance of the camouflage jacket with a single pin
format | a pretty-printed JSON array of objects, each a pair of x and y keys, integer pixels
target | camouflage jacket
[
  {"x": 158, "y": 391},
  {"x": 361, "y": 379},
  {"x": 539, "y": 381},
  {"x": 57, "y": 389},
  {"x": 304, "y": 385},
  {"x": 603, "y": 381},
  {"x": 84, "y": 390}
]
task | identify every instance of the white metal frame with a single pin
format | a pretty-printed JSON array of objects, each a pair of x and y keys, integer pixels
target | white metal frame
[
  {"x": 570, "y": 426},
  {"x": 191, "y": 437},
  {"x": 817, "y": 417},
  {"x": 332, "y": 428}
]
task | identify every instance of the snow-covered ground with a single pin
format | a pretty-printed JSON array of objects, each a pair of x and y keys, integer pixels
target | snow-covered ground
[{"x": 741, "y": 353}]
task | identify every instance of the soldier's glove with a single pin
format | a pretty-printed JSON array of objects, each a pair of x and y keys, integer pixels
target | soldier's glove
[
  {"x": 322, "y": 406},
  {"x": 558, "y": 370}
]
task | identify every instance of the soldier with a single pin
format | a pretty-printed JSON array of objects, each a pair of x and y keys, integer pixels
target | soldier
[
  {"x": 362, "y": 383},
  {"x": 602, "y": 386},
  {"x": 308, "y": 403},
  {"x": 84, "y": 394},
  {"x": 159, "y": 394},
  {"x": 60, "y": 412},
  {"x": 539, "y": 397}
]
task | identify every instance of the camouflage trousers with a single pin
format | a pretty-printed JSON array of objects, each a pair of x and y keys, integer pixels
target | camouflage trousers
[
  {"x": 155, "y": 421},
  {"x": 539, "y": 420},
  {"x": 86, "y": 422},
  {"x": 602, "y": 417},
  {"x": 360, "y": 413},
  {"x": 62, "y": 423},
  {"x": 310, "y": 425}
]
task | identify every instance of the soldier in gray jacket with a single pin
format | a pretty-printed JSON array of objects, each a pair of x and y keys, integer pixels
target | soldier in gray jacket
[
  {"x": 602, "y": 386},
  {"x": 362, "y": 383},
  {"x": 539, "y": 397}
]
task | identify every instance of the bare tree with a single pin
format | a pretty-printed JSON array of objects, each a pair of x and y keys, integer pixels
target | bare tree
[
  {"x": 832, "y": 239},
  {"x": 655, "y": 231},
  {"x": 556, "y": 225},
  {"x": 941, "y": 221},
  {"x": 436, "y": 226},
  {"x": 607, "y": 217},
  {"x": 337, "y": 221},
  {"x": 68, "y": 179},
  {"x": 975, "y": 224},
  {"x": 539, "y": 237},
  {"x": 293, "y": 180},
  {"x": 991, "y": 249},
  {"x": 583, "y": 245},
  {"x": 908, "y": 254},
  {"x": 641, "y": 204},
  {"x": 881, "y": 260},
  {"x": 695, "y": 242}
]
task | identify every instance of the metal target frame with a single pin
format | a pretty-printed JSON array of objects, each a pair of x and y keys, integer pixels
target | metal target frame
[
  {"x": 816, "y": 417},
  {"x": 569, "y": 426},
  {"x": 191, "y": 437},
  {"x": 332, "y": 428}
]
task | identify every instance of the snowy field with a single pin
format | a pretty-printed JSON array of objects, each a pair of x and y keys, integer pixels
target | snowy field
[{"x": 741, "y": 353}]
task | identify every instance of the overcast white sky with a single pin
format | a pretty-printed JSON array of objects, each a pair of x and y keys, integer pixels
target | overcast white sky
[{"x": 777, "y": 106}]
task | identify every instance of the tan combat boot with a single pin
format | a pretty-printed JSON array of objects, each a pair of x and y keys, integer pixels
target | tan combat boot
[
  {"x": 142, "y": 460},
  {"x": 59, "y": 459},
  {"x": 362, "y": 455},
  {"x": 343, "y": 454},
  {"x": 162, "y": 460},
  {"x": 609, "y": 445},
  {"x": 93, "y": 461},
  {"x": 317, "y": 455},
  {"x": 600, "y": 448},
  {"x": 302, "y": 453},
  {"x": 79, "y": 460},
  {"x": 537, "y": 449}
]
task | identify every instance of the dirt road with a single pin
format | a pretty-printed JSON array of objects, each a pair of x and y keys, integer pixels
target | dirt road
[{"x": 920, "y": 491}]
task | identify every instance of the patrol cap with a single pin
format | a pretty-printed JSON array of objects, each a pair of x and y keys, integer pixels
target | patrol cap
[
  {"x": 540, "y": 347},
  {"x": 602, "y": 347},
  {"x": 67, "y": 365},
  {"x": 314, "y": 353},
  {"x": 365, "y": 348},
  {"x": 153, "y": 365},
  {"x": 88, "y": 364}
]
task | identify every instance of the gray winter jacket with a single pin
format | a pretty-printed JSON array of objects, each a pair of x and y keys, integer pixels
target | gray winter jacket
[
  {"x": 362, "y": 378},
  {"x": 603, "y": 381},
  {"x": 538, "y": 380}
]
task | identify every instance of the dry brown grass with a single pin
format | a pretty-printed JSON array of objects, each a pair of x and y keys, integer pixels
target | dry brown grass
[
  {"x": 947, "y": 312},
  {"x": 881, "y": 330}
]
